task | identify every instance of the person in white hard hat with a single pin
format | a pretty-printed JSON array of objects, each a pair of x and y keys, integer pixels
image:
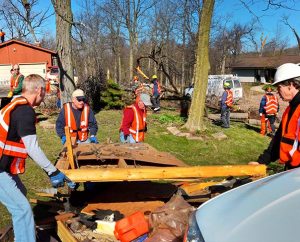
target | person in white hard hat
[{"x": 285, "y": 144}]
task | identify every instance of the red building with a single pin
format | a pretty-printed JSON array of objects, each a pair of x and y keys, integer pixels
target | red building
[{"x": 32, "y": 59}]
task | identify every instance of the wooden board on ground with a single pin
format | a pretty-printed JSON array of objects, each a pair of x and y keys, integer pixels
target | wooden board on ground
[
  {"x": 64, "y": 233},
  {"x": 118, "y": 155},
  {"x": 125, "y": 208},
  {"x": 237, "y": 116}
]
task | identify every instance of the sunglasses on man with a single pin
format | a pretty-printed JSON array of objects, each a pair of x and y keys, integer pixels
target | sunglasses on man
[{"x": 80, "y": 99}]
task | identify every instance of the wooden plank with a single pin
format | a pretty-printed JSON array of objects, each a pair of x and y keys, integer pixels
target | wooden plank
[
  {"x": 125, "y": 208},
  {"x": 122, "y": 163},
  {"x": 62, "y": 164},
  {"x": 239, "y": 116},
  {"x": 191, "y": 188},
  {"x": 64, "y": 233},
  {"x": 135, "y": 152},
  {"x": 7, "y": 234},
  {"x": 69, "y": 148},
  {"x": 165, "y": 173},
  {"x": 64, "y": 216}
]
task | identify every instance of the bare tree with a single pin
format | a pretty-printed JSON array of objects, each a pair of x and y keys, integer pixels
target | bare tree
[
  {"x": 64, "y": 22},
  {"x": 132, "y": 14},
  {"x": 276, "y": 45},
  {"x": 286, "y": 22},
  {"x": 22, "y": 19},
  {"x": 113, "y": 27},
  {"x": 196, "y": 113}
]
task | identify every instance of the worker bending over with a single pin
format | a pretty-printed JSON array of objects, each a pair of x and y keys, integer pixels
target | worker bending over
[
  {"x": 285, "y": 144},
  {"x": 134, "y": 126},
  {"x": 79, "y": 117},
  {"x": 18, "y": 140}
]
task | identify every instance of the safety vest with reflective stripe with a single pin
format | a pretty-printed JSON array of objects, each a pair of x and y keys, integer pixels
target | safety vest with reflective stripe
[
  {"x": 271, "y": 104},
  {"x": 14, "y": 82},
  {"x": 229, "y": 99},
  {"x": 137, "y": 128},
  {"x": 82, "y": 132},
  {"x": 11, "y": 148},
  {"x": 289, "y": 144}
]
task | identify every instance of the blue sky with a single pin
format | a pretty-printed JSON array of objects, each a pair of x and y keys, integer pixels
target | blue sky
[{"x": 269, "y": 21}]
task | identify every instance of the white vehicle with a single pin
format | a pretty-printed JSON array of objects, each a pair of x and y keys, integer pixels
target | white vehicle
[
  {"x": 266, "y": 210},
  {"x": 215, "y": 88}
]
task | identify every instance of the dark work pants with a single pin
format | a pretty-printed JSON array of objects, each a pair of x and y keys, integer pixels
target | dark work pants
[
  {"x": 271, "y": 119},
  {"x": 155, "y": 100},
  {"x": 225, "y": 117}
]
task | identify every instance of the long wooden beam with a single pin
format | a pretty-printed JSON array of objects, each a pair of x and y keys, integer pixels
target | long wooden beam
[
  {"x": 162, "y": 173},
  {"x": 69, "y": 148}
]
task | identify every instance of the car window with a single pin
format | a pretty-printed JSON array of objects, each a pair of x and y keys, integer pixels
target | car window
[
  {"x": 230, "y": 83},
  {"x": 237, "y": 83}
]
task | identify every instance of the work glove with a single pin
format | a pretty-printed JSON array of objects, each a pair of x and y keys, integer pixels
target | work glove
[
  {"x": 63, "y": 139},
  {"x": 58, "y": 179},
  {"x": 94, "y": 139},
  {"x": 10, "y": 94}
]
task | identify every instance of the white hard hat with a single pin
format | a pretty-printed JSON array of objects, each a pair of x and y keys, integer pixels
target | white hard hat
[{"x": 285, "y": 72}]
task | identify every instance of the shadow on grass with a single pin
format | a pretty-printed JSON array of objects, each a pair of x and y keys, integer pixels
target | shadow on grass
[{"x": 251, "y": 127}]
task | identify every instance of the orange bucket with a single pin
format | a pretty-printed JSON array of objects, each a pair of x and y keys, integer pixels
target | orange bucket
[{"x": 131, "y": 227}]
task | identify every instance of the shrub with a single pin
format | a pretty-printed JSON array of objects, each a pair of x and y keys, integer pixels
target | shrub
[{"x": 111, "y": 98}]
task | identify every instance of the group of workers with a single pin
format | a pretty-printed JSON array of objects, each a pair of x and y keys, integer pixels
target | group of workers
[
  {"x": 285, "y": 141},
  {"x": 155, "y": 90},
  {"x": 268, "y": 109},
  {"x": 18, "y": 138}
]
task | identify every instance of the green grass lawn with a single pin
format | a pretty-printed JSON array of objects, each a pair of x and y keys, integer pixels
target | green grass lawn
[{"x": 241, "y": 146}]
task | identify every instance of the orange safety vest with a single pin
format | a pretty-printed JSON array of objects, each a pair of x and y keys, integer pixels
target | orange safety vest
[
  {"x": 47, "y": 86},
  {"x": 289, "y": 144},
  {"x": 83, "y": 131},
  {"x": 14, "y": 82},
  {"x": 271, "y": 104},
  {"x": 11, "y": 148},
  {"x": 137, "y": 128},
  {"x": 229, "y": 99},
  {"x": 2, "y": 34}
]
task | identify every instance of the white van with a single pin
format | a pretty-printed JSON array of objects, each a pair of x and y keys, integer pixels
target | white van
[{"x": 215, "y": 88}]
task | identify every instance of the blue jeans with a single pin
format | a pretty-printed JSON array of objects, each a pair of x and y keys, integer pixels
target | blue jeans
[
  {"x": 13, "y": 197},
  {"x": 129, "y": 139}
]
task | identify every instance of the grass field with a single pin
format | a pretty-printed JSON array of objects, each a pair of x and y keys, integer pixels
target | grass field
[{"x": 241, "y": 146}]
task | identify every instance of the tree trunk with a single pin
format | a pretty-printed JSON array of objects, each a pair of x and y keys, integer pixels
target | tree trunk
[
  {"x": 196, "y": 113},
  {"x": 64, "y": 20},
  {"x": 119, "y": 67}
]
